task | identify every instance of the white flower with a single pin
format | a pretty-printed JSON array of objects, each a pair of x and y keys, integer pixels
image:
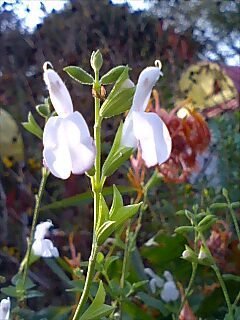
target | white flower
[
  {"x": 44, "y": 247},
  {"x": 68, "y": 146},
  {"x": 169, "y": 292},
  {"x": 5, "y": 305},
  {"x": 146, "y": 129},
  {"x": 151, "y": 242},
  {"x": 155, "y": 281}
]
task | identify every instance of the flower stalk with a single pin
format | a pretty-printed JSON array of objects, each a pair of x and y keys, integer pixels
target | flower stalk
[
  {"x": 97, "y": 189},
  {"x": 26, "y": 261},
  {"x": 219, "y": 277}
]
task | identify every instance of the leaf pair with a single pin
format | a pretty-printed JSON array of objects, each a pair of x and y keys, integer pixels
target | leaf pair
[
  {"x": 109, "y": 221},
  {"x": 98, "y": 309}
]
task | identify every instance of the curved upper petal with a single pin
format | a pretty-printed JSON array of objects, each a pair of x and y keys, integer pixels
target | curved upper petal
[
  {"x": 128, "y": 138},
  {"x": 147, "y": 79},
  {"x": 153, "y": 137},
  {"x": 80, "y": 144},
  {"x": 58, "y": 93},
  {"x": 56, "y": 152},
  {"x": 42, "y": 229}
]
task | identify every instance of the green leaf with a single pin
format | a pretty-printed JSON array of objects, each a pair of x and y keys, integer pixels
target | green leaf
[
  {"x": 103, "y": 211},
  {"x": 104, "y": 231},
  {"x": 43, "y": 110},
  {"x": 125, "y": 213},
  {"x": 98, "y": 309},
  {"x": 235, "y": 205},
  {"x": 100, "y": 258},
  {"x": 118, "y": 215},
  {"x": 220, "y": 205},
  {"x": 107, "y": 108},
  {"x": 152, "y": 302},
  {"x": 117, "y": 201},
  {"x": 56, "y": 269},
  {"x": 17, "y": 280},
  {"x": 32, "y": 126},
  {"x": 184, "y": 229},
  {"x": 118, "y": 84},
  {"x": 85, "y": 197},
  {"x": 112, "y": 75},
  {"x": 207, "y": 222},
  {"x": 118, "y": 104},
  {"x": 79, "y": 75},
  {"x": 113, "y": 163},
  {"x": 109, "y": 261},
  {"x": 33, "y": 294},
  {"x": 10, "y": 291},
  {"x": 117, "y": 155},
  {"x": 228, "y": 276}
]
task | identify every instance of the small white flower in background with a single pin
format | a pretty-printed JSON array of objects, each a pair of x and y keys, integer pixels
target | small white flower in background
[
  {"x": 5, "y": 305},
  {"x": 155, "y": 281},
  {"x": 202, "y": 254},
  {"x": 68, "y": 146},
  {"x": 44, "y": 247},
  {"x": 151, "y": 242},
  {"x": 146, "y": 129},
  {"x": 169, "y": 292}
]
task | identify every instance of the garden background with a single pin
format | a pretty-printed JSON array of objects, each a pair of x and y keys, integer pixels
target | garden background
[{"x": 203, "y": 35}]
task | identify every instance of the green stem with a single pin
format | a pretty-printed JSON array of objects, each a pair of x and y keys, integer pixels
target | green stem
[
  {"x": 234, "y": 220},
  {"x": 236, "y": 300},
  {"x": 97, "y": 190},
  {"x": 87, "y": 285},
  {"x": 224, "y": 289},
  {"x": 125, "y": 265},
  {"x": 126, "y": 256},
  {"x": 192, "y": 278},
  {"x": 45, "y": 174},
  {"x": 219, "y": 276}
]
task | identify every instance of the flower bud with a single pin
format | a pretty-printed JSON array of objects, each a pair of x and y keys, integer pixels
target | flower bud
[
  {"x": 96, "y": 60},
  {"x": 189, "y": 255},
  {"x": 203, "y": 257}
]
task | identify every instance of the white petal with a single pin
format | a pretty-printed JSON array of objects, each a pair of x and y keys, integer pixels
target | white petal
[
  {"x": 153, "y": 136},
  {"x": 44, "y": 248},
  {"x": 168, "y": 276},
  {"x": 128, "y": 137},
  {"x": 5, "y": 305},
  {"x": 79, "y": 129},
  {"x": 152, "y": 285},
  {"x": 169, "y": 292},
  {"x": 56, "y": 153},
  {"x": 58, "y": 93},
  {"x": 146, "y": 81},
  {"x": 42, "y": 229},
  {"x": 80, "y": 144}
]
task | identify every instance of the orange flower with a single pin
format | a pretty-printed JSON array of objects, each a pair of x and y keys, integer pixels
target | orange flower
[
  {"x": 75, "y": 261},
  {"x": 136, "y": 175},
  {"x": 190, "y": 137}
]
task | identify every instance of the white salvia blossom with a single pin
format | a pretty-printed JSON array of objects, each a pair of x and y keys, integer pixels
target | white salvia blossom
[
  {"x": 5, "y": 305},
  {"x": 151, "y": 242},
  {"x": 68, "y": 146},
  {"x": 169, "y": 292},
  {"x": 155, "y": 281},
  {"x": 44, "y": 247},
  {"x": 146, "y": 129}
]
